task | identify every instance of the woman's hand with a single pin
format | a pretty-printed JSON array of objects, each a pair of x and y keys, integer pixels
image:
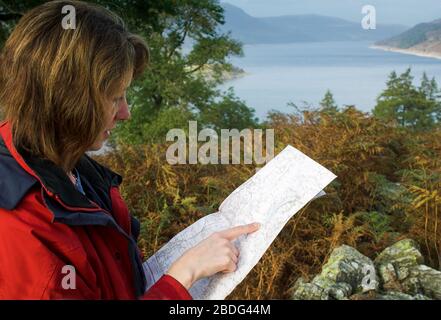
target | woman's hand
[{"x": 212, "y": 255}]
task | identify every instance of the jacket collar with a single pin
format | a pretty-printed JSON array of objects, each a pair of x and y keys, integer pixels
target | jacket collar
[{"x": 22, "y": 171}]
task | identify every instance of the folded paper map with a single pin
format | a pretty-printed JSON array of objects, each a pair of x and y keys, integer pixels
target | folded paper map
[{"x": 271, "y": 197}]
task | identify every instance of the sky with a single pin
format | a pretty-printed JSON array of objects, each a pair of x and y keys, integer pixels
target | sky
[{"x": 405, "y": 12}]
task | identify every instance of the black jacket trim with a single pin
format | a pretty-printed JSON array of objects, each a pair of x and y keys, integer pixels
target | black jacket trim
[
  {"x": 15, "y": 183},
  {"x": 69, "y": 206},
  {"x": 102, "y": 218}
]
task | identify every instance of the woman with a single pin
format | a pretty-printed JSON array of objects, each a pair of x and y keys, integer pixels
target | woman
[{"x": 65, "y": 232}]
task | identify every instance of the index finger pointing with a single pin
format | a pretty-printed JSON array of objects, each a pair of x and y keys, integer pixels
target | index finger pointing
[{"x": 235, "y": 232}]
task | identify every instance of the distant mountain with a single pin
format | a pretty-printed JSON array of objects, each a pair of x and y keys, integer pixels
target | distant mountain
[
  {"x": 423, "y": 39},
  {"x": 299, "y": 28}
]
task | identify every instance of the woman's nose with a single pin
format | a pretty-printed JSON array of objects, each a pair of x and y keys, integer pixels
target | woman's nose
[{"x": 123, "y": 111}]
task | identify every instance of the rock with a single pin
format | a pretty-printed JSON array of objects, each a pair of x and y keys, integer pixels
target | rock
[
  {"x": 424, "y": 280},
  {"x": 394, "y": 295},
  {"x": 401, "y": 268},
  {"x": 309, "y": 291},
  {"x": 347, "y": 265},
  {"x": 411, "y": 285},
  {"x": 388, "y": 277},
  {"x": 350, "y": 275},
  {"x": 403, "y": 254},
  {"x": 340, "y": 291},
  {"x": 346, "y": 272}
]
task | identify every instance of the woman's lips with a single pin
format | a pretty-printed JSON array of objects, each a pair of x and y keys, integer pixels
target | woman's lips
[{"x": 108, "y": 132}]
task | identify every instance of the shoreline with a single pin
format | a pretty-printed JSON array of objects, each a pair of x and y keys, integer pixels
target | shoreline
[
  {"x": 236, "y": 73},
  {"x": 226, "y": 76},
  {"x": 407, "y": 51}
]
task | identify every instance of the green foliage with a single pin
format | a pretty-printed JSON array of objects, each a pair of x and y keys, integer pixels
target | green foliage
[
  {"x": 184, "y": 42},
  {"x": 230, "y": 112},
  {"x": 379, "y": 223},
  {"x": 328, "y": 103},
  {"x": 176, "y": 87},
  {"x": 389, "y": 197},
  {"x": 408, "y": 106},
  {"x": 152, "y": 130}
]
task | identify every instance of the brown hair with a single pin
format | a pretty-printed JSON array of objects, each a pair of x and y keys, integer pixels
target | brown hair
[{"x": 55, "y": 83}]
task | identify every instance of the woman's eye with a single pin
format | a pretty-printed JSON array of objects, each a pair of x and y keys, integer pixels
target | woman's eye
[{"x": 117, "y": 101}]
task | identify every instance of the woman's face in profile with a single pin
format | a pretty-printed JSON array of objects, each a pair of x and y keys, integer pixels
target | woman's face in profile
[{"x": 118, "y": 110}]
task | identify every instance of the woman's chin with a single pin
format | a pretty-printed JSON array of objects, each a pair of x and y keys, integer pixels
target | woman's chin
[
  {"x": 96, "y": 146},
  {"x": 99, "y": 143}
]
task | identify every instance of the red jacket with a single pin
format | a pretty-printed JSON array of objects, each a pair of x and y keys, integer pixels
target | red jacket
[{"x": 46, "y": 225}]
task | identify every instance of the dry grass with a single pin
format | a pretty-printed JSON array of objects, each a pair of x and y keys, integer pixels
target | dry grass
[{"x": 369, "y": 158}]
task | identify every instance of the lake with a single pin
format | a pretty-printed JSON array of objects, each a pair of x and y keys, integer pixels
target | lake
[{"x": 302, "y": 72}]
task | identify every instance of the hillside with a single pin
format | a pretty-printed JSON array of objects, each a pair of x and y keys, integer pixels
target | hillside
[
  {"x": 423, "y": 39},
  {"x": 298, "y": 28}
]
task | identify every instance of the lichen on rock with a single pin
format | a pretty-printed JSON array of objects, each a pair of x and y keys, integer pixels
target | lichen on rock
[
  {"x": 398, "y": 273},
  {"x": 346, "y": 272},
  {"x": 401, "y": 266},
  {"x": 403, "y": 254}
]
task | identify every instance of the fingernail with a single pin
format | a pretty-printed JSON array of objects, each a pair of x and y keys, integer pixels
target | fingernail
[{"x": 256, "y": 225}]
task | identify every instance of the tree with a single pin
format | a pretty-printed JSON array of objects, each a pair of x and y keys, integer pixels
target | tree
[
  {"x": 230, "y": 112},
  {"x": 184, "y": 41},
  {"x": 432, "y": 93},
  {"x": 328, "y": 103},
  {"x": 429, "y": 88},
  {"x": 401, "y": 101}
]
